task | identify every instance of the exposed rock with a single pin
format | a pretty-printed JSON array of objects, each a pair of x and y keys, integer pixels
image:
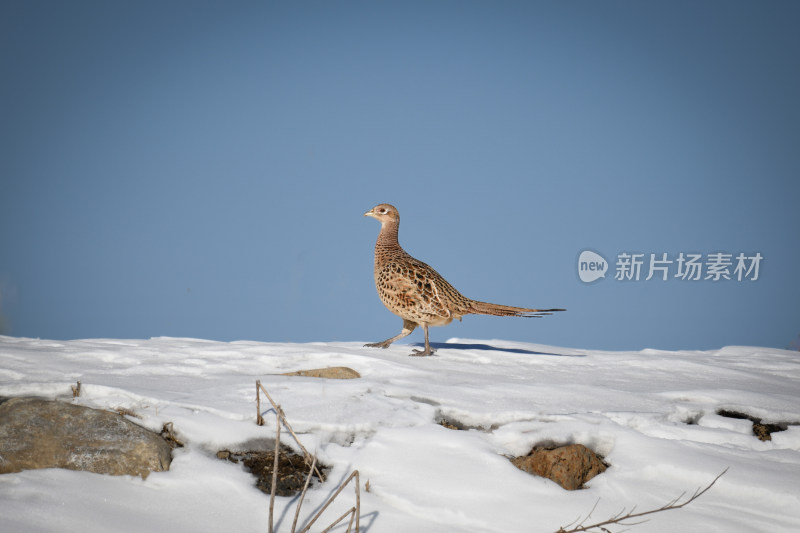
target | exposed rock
[
  {"x": 452, "y": 423},
  {"x": 37, "y": 433},
  {"x": 333, "y": 372},
  {"x": 765, "y": 431},
  {"x": 570, "y": 466},
  {"x": 761, "y": 430}
]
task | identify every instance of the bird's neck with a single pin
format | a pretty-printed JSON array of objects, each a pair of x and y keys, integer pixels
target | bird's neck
[{"x": 387, "y": 238}]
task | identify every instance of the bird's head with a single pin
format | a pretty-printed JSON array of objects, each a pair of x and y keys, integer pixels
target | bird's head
[{"x": 384, "y": 213}]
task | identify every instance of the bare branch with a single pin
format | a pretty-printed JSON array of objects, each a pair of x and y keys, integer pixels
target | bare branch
[
  {"x": 282, "y": 419},
  {"x": 623, "y": 518},
  {"x": 349, "y": 512},
  {"x": 275, "y": 464},
  {"x": 352, "y": 476},
  {"x": 303, "y": 494},
  {"x": 354, "y": 512},
  {"x": 259, "y": 418}
]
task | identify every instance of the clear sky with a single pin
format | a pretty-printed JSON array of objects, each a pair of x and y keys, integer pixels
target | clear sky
[{"x": 200, "y": 169}]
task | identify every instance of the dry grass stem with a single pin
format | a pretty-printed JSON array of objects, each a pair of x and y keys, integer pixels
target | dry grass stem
[
  {"x": 303, "y": 494},
  {"x": 278, "y": 415},
  {"x": 350, "y": 512},
  {"x": 354, "y": 512},
  {"x": 259, "y": 418},
  {"x": 282, "y": 419},
  {"x": 124, "y": 411},
  {"x": 623, "y": 518},
  {"x": 352, "y": 476},
  {"x": 168, "y": 433}
]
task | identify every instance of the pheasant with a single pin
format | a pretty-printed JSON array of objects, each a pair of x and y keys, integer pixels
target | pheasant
[{"x": 417, "y": 293}]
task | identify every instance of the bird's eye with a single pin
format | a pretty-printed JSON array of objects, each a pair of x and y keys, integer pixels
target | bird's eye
[{"x": 382, "y": 210}]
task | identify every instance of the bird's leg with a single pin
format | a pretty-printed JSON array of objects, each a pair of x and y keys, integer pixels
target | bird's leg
[
  {"x": 408, "y": 327},
  {"x": 427, "y": 350}
]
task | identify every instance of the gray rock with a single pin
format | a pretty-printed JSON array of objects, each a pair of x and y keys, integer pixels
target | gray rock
[{"x": 37, "y": 433}]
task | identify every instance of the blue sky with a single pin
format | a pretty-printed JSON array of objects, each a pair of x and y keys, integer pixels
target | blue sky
[{"x": 200, "y": 169}]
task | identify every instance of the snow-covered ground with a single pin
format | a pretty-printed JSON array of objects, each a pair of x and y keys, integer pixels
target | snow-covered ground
[{"x": 631, "y": 407}]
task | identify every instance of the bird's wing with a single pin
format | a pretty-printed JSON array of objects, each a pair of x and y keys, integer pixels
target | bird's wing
[
  {"x": 416, "y": 290},
  {"x": 434, "y": 291}
]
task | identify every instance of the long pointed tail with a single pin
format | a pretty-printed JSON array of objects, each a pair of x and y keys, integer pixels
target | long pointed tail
[{"x": 485, "y": 308}]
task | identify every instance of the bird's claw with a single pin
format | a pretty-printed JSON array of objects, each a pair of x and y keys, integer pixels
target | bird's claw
[{"x": 376, "y": 345}]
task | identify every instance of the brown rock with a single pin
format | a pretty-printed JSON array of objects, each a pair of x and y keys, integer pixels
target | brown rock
[
  {"x": 333, "y": 372},
  {"x": 570, "y": 466},
  {"x": 37, "y": 433}
]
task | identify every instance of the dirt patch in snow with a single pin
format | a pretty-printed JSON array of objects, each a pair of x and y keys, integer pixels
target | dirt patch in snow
[
  {"x": 292, "y": 469},
  {"x": 761, "y": 430}
]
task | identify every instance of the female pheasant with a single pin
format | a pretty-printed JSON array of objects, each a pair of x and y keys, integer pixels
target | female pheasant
[{"x": 417, "y": 293}]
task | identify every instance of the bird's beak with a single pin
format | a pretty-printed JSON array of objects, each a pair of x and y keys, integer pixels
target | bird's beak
[{"x": 370, "y": 213}]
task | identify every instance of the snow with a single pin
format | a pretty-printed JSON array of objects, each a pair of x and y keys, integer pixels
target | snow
[{"x": 652, "y": 414}]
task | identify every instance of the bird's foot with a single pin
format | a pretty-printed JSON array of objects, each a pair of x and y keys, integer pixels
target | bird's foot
[
  {"x": 383, "y": 344},
  {"x": 422, "y": 353}
]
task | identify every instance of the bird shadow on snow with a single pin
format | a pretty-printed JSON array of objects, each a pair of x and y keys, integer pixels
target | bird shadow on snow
[{"x": 477, "y": 346}]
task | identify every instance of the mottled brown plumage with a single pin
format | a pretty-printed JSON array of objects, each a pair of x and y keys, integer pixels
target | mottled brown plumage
[{"x": 417, "y": 293}]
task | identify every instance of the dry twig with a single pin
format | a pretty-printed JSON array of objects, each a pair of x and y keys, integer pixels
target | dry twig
[
  {"x": 357, "y": 508},
  {"x": 350, "y": 512},
  {"x": 303, "y": 494},
  {"x": 168, "y": 433},
  {"x": 354, "y": 512},
  {"x": 259, "y": 418},
  {"x": 282, "y": 419},
  {"x": 622, "y": 517},
  {"x": 278, "y": 414},
  {"x": 124, "y": 411}
]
